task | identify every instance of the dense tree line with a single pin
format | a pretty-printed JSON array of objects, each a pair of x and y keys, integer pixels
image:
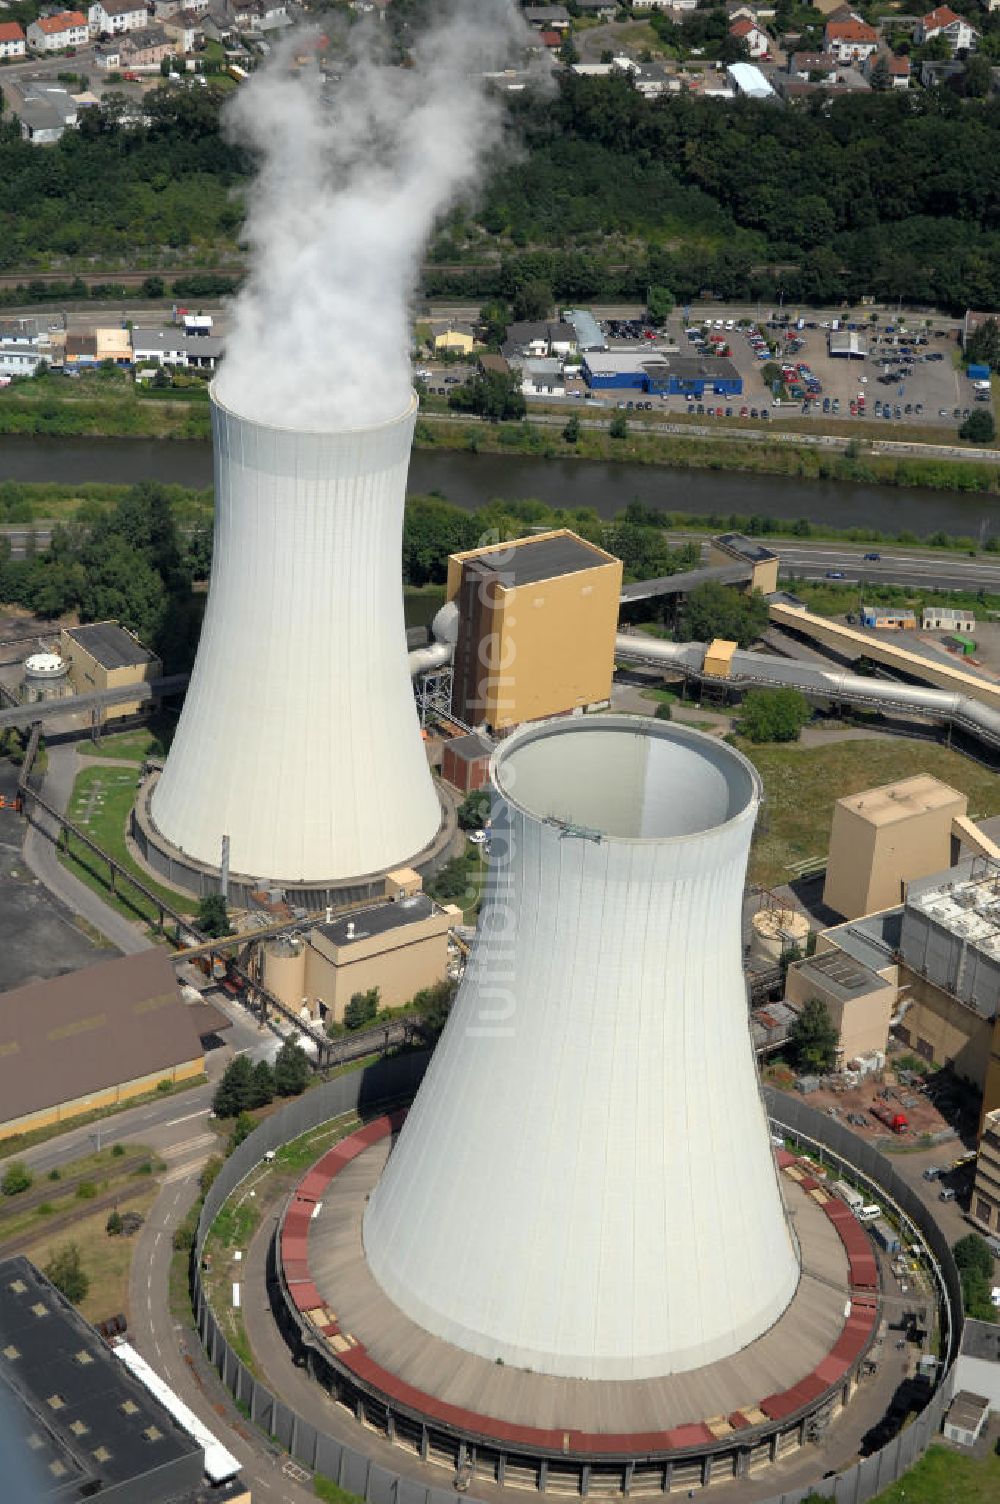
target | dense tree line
[
  {"x": 128, "y": 562},
  {"x": 115, "y": 186}
]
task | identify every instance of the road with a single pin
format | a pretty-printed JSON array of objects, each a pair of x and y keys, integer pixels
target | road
[{"x": 944, "y": 569}]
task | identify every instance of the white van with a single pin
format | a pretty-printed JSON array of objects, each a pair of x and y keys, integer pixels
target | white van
[{"x": 869, "y": 1213}]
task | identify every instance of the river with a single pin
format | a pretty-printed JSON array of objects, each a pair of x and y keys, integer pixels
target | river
[{"x": 471, "y": 480}]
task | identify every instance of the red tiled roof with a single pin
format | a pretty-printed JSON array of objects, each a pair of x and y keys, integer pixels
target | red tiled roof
[
  {"x": 10, "y": 31},
  {"x": 899, "y": 65},
  {"x": 743, "y": 28},
  {"x": 943, "y": 15},
  {"x": 550, "y": 38},
  {"x": 850, "y": 31},
  {"x": 64, "y": 21}
]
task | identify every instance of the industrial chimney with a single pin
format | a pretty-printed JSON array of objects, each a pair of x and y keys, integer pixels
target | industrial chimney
[
  {"x": 585, "y": 1184},
  {"x": 299, "y": 737}
]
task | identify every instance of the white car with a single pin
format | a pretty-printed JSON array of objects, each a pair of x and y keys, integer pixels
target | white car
[
  {"x": 863, "y": 380},
  {"x": 478, "y": 837}
]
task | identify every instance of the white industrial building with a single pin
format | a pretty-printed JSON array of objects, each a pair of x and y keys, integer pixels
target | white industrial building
[
  {"x": 947, "y": 619},
  {"x": 585, "y": 1183},
  {"x": 299, "y": 744}
]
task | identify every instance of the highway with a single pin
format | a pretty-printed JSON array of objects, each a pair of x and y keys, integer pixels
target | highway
[{"x": 943, "y": 569}]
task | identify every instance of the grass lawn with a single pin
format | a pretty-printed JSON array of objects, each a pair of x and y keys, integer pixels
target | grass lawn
[
  {"x": 801, "y": 785},
  {"x": 100, "y": 805},
  {"x": 661, "y": 696},
  {"x": 129, "y": 746},
  {"x": 943, "y": 1476},
  {"x": 106, "y": 1260}
]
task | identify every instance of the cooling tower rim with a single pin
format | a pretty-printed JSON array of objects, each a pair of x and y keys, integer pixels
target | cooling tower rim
[
  {"x": 631, "y": 725},
  {"x": 314, "y": 433}
]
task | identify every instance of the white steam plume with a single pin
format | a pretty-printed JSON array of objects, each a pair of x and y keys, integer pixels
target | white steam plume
[{"x": 353, "y": 175}]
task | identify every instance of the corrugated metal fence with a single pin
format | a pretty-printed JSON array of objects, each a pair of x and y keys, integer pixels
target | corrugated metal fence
[{"x": 398, "y": 1078}]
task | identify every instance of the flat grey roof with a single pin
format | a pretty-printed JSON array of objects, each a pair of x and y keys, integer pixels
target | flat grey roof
[
  {"x": 842, "y": 975},
  {"x": 378, "y": 920},
  {"x": 77, "y": 1419},
  {"x": 981, "y": 1339},
  {"x": 872, "y": 941},
  {"x": 470, "y": 747},
  {"x": 110, "y": 644},
  {"x": 747, "y": 548},
  {"x": 531, "y": 559}
]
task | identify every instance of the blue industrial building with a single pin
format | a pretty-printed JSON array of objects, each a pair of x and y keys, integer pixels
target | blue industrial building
[{"x": 659, "y": 374}]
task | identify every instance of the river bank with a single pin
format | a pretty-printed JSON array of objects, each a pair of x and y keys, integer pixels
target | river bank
[{"x": 115, "y": 410}]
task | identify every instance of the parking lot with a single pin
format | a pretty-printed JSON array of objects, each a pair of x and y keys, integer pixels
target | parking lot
[{"x": 896, "y": 373}]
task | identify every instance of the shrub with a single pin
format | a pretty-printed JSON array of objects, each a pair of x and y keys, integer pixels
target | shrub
[
  {"x": 17, "y": 1178},
  {"x": 65, "y": 1270},
  {"x": 86, "y": 1190},
  {"x": 113, "y": 1225},
  {"x": 118, "y": 1151}
]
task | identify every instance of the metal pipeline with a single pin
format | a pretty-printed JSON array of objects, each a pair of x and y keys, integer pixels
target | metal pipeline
[{"x": 444, "y": 629}]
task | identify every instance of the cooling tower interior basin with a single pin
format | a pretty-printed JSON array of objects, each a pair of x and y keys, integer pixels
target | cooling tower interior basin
[{"x": 627, "y": 779}]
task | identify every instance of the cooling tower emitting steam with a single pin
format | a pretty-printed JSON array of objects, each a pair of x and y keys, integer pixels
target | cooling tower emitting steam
[
  {"x": 352, "y": 177},
  {"x": 585, "y": 1184}
]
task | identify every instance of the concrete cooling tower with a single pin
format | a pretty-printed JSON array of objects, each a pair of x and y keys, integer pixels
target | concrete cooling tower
[
  {"x": 585, "y": 1184},
  {"x": 299, "y": 739}
]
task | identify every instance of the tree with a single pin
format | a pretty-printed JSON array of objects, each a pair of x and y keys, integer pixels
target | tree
[
  {"x": 494, "y": 317},
  {"x": 212, "y": 918},
  {"x": 618, "y": 428},
  {"x": 571, "y": 432},
  {"x": 474, "y": 810},
  {"x": 774, "y": 715},
  {"x": 494, "y": 395},
  {"x": 362, "y": 1009},
  {"x": 659, "y": 304},
  {"x": 972, "y": 1252},
  {"x": 880, "y": 78},
  {"x": 975, "y": 1267},
  {"x": 261, "y": 1090},
  {"x": 814, "y": 1037},
  {"x": 235, "y": 1088},
  {"x": 113, "y": 1226},
  {"x": 532, "y": 301},
  {"x": 242, "y": 1129},
  {"x": 433, "y": 1004},
  {"x": 65, "y": 1270},
  {"x": 979, "y": 427},
  {"x": 977, "y": 80},
  {"x": 714, "y": 610},
  {"x": 983, "y": 345},
  {"x": 291, "y": 1069},
  {"x": 153, "y": 287},
  {"x": 569, "y": 52},
  {"x": 17, "y": 1178}
]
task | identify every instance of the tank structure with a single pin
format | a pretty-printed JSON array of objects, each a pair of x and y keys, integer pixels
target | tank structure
[
  {"x": 46, "y": 677},
  {"x": 299, "y": 745},
  {"x": 773, "y": 931},
  {"x": 567, "y": 1195}
]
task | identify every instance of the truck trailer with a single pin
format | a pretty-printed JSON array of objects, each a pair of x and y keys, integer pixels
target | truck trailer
[
  {"x": 884, "y": 1236},
  {"x": 848, "y": 1195}
]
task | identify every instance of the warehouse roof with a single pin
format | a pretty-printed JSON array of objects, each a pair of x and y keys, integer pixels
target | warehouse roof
[
  {"x": 77, "y": 1421},
  {"x": 470, "y": 747},
  {"x": 981, "y": 1339},
  {"x": 111, "y": 645},
  {"x": 873, "y": 940},
  {"x": 76, "y": 1035},
  {"x": 528, "y": 560},
  {"x": 378, "y": 920},
  {"x": 660, "y": 365}
]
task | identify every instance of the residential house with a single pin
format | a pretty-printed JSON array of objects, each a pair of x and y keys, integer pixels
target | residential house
[
  {"x": 169, "y": 347},
  {"x": 109, "y": 18},
  {"x": 12, "y": 40},
  {"x": 660, "y": 5},
  {"x": 542, "y": 377},
  {"x": 899, "y": 68},
  {"x": 81, "y": 352},
  {"x": 934, "y": 73},
  {"x": 540, "y": 338},
  {"x": 748, "y": 32},
  {"x": 184, "y": 30},
  {"x": 850, "y": 41},
  {"x": 605, "y": 10},
  {"x": 145, "y": 50},
  {"x": 53, "y": 33},
  {"x": 956, "y": 30},
  {"x": 804, "y": 66},
  {"x": 114, "y": 343},
  {"x": 749, "y": 10},
  {"x": 18, "y": 360},
  {"x": 108, "y": 55},
  {"x": 449, "y": 336},
  {"x": 547, "y": 17}
]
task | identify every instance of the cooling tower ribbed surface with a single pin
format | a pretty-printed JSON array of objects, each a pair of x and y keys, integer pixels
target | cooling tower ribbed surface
[
  {"x": 585, "y": 1184},
  {"x": 299, "y": 737}
]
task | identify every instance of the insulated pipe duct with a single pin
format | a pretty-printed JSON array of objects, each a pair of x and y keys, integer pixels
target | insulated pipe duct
[
  {"x": 444, "y": 630},
  {"x": 815, "y": 679},
  {"x": 585, "y": 1184},
  {"x": 299, "y": 737}
]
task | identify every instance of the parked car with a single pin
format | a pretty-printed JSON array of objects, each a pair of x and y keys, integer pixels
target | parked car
[{"x": 744, "y": 412}]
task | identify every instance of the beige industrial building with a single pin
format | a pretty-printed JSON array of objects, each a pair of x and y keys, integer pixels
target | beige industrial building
[
  {"x": 858, "y": 1000},
  {"x": 985, "y": 1204},
  {"x": 883, "y": 838},
  {"x": 537, "y": 619},
  {"x": 104, "y": 655},
  {"x": 399, "y": 946},
  {"x": 730, "y": 548}
]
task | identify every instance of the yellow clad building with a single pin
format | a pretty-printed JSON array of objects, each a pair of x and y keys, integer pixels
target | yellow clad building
[
  {"x": 537, "y": 619},
  {"x": 104, "y": 655}
]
